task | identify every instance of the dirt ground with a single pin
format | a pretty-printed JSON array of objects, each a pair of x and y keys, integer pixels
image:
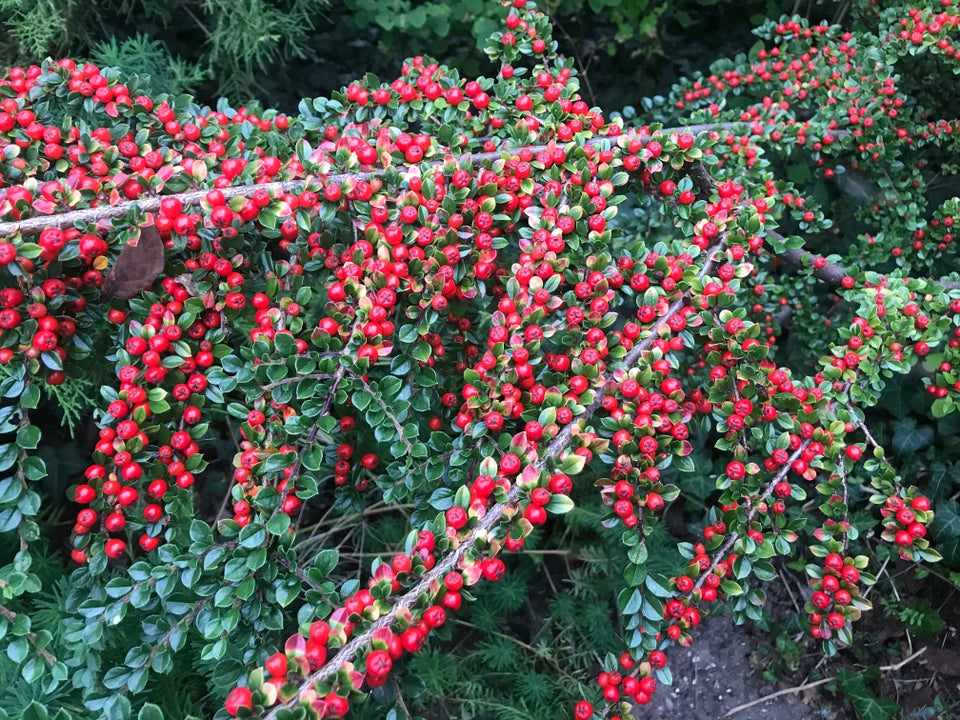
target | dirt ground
[{"x": 716, "y": 675}]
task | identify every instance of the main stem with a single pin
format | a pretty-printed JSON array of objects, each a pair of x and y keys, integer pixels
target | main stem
[{"x": 35, "y": 225}]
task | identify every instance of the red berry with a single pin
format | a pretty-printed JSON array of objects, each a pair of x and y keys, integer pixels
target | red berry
[
  {"x": 114, "y": 548},
  {"x": 239, "y": 697},
  {"x": 493, "y": 569},
  {"x": 833, "y": 561},
  {"x": 835, "y": 621},
  {"x": 276, "y": 665},
  {"x": 456, "y": 517},
  {"x": 379, "y": 663},
  {"x": 413, "y": 639}
]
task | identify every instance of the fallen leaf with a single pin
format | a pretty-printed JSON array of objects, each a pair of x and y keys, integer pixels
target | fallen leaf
[{"x": 136, "y": 267}]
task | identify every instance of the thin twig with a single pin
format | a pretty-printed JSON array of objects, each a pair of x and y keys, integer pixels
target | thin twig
[
  {"x": 751, "y": 514},
  {"x": 10, "y": 616},
  {"x": 808, "y": 686},
  {"x": 297, "y": 378},
  {"x": 860, "y": 424},
  {"x": 388, "y": 413}
]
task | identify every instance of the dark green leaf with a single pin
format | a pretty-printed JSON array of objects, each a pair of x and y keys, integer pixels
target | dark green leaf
[
  {"x": 867, "y": 706},
  {"x": 253, "y": 536}
]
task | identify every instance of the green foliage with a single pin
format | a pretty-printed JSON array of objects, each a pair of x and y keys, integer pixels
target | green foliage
[
  {"x": 237, "y": 43},
  {"x": 855, "y": 688},
  {"x": 921, "y": 619},
  {"x": 434, "y": 21},
  {"x": 245, "y": 37},
  {"x": 150, "y": 60},
  {"x": 36, "y": 26}
]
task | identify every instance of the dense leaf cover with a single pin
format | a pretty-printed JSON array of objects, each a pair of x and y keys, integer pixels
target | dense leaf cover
[{"x": 472, "y": 297}]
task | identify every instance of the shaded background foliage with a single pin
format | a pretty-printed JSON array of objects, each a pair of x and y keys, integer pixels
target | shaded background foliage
[{"x": 279, "y": 51}]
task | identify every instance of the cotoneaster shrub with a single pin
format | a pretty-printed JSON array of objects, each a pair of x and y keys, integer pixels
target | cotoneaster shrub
[{"x": 420, "y": 294}]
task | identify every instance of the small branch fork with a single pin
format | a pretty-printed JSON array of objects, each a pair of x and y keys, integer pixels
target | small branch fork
[
  {"x": 751, "y": 514},
  {"x": 397, "y": 426},
  {"x": 493, "y": 516},
  {"x": 831, "y": 272},
  {"x": 10, "y": 616}
]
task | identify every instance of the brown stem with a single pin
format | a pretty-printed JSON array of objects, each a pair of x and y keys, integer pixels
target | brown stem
[
  {"x": 386, "y": 411},
  {"x": 297, "y": 378},
  {"x": 860, "y": 424},
  {"x": 185, "y": 620},
  {"x": 823, "y": 681},
  {"x": 751, "y": 514},
  {"x": 10, "y": 616},
  {"x": 309, "y": 440}
]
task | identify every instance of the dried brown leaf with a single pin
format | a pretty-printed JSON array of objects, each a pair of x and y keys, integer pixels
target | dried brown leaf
[{"x": 137, "y": 266}]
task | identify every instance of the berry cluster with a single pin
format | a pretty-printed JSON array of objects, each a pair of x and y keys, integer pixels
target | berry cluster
[
  {"x": 836, "y": 598},
  {"x": 906, "y": 523}
]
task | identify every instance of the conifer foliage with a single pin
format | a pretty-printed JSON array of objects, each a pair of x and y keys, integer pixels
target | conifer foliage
[{"x": 477, "y": 300}]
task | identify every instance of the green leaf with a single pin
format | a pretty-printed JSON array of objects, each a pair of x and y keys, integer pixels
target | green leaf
[
  {"x": 635, "y": 603},
  {"x": 200, "y": 532},
  {"x": 150, "y": 712},
  {"x": 573, "y": 464},
  {"x": 285, "y": 344},
  {"x": 8, "y": 456},
  {"x": 10, "y": 490},
  {"x": 18, "y": 650},
  {"x": 560, "y": 505},
  {"x": 32, "y": 670},
  {"x": 658, "y": 585},
  {"x": 34, "y": 711},
  {"x": 421, "y": 351},
  {"x": 312, "y": 458},
  {"x": 278, "y": 524},
  {"x": 253, "y": 536},
  {"x": 635, "y": 575},
  {"x": 325, "y": 561},
  {"x": 909, "y": 438},
  {"x": 731, "y": 588},
  {"x": 28, "y": 437},
  {"x": 408, "y": 333},
  {"x": 945, "y": 531},
  {"x": 867, "y": 706},
  {"x": 31, "y": 397},
  {"x": 34, "y": 468},
  {"x": 638, "y": 553}
]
